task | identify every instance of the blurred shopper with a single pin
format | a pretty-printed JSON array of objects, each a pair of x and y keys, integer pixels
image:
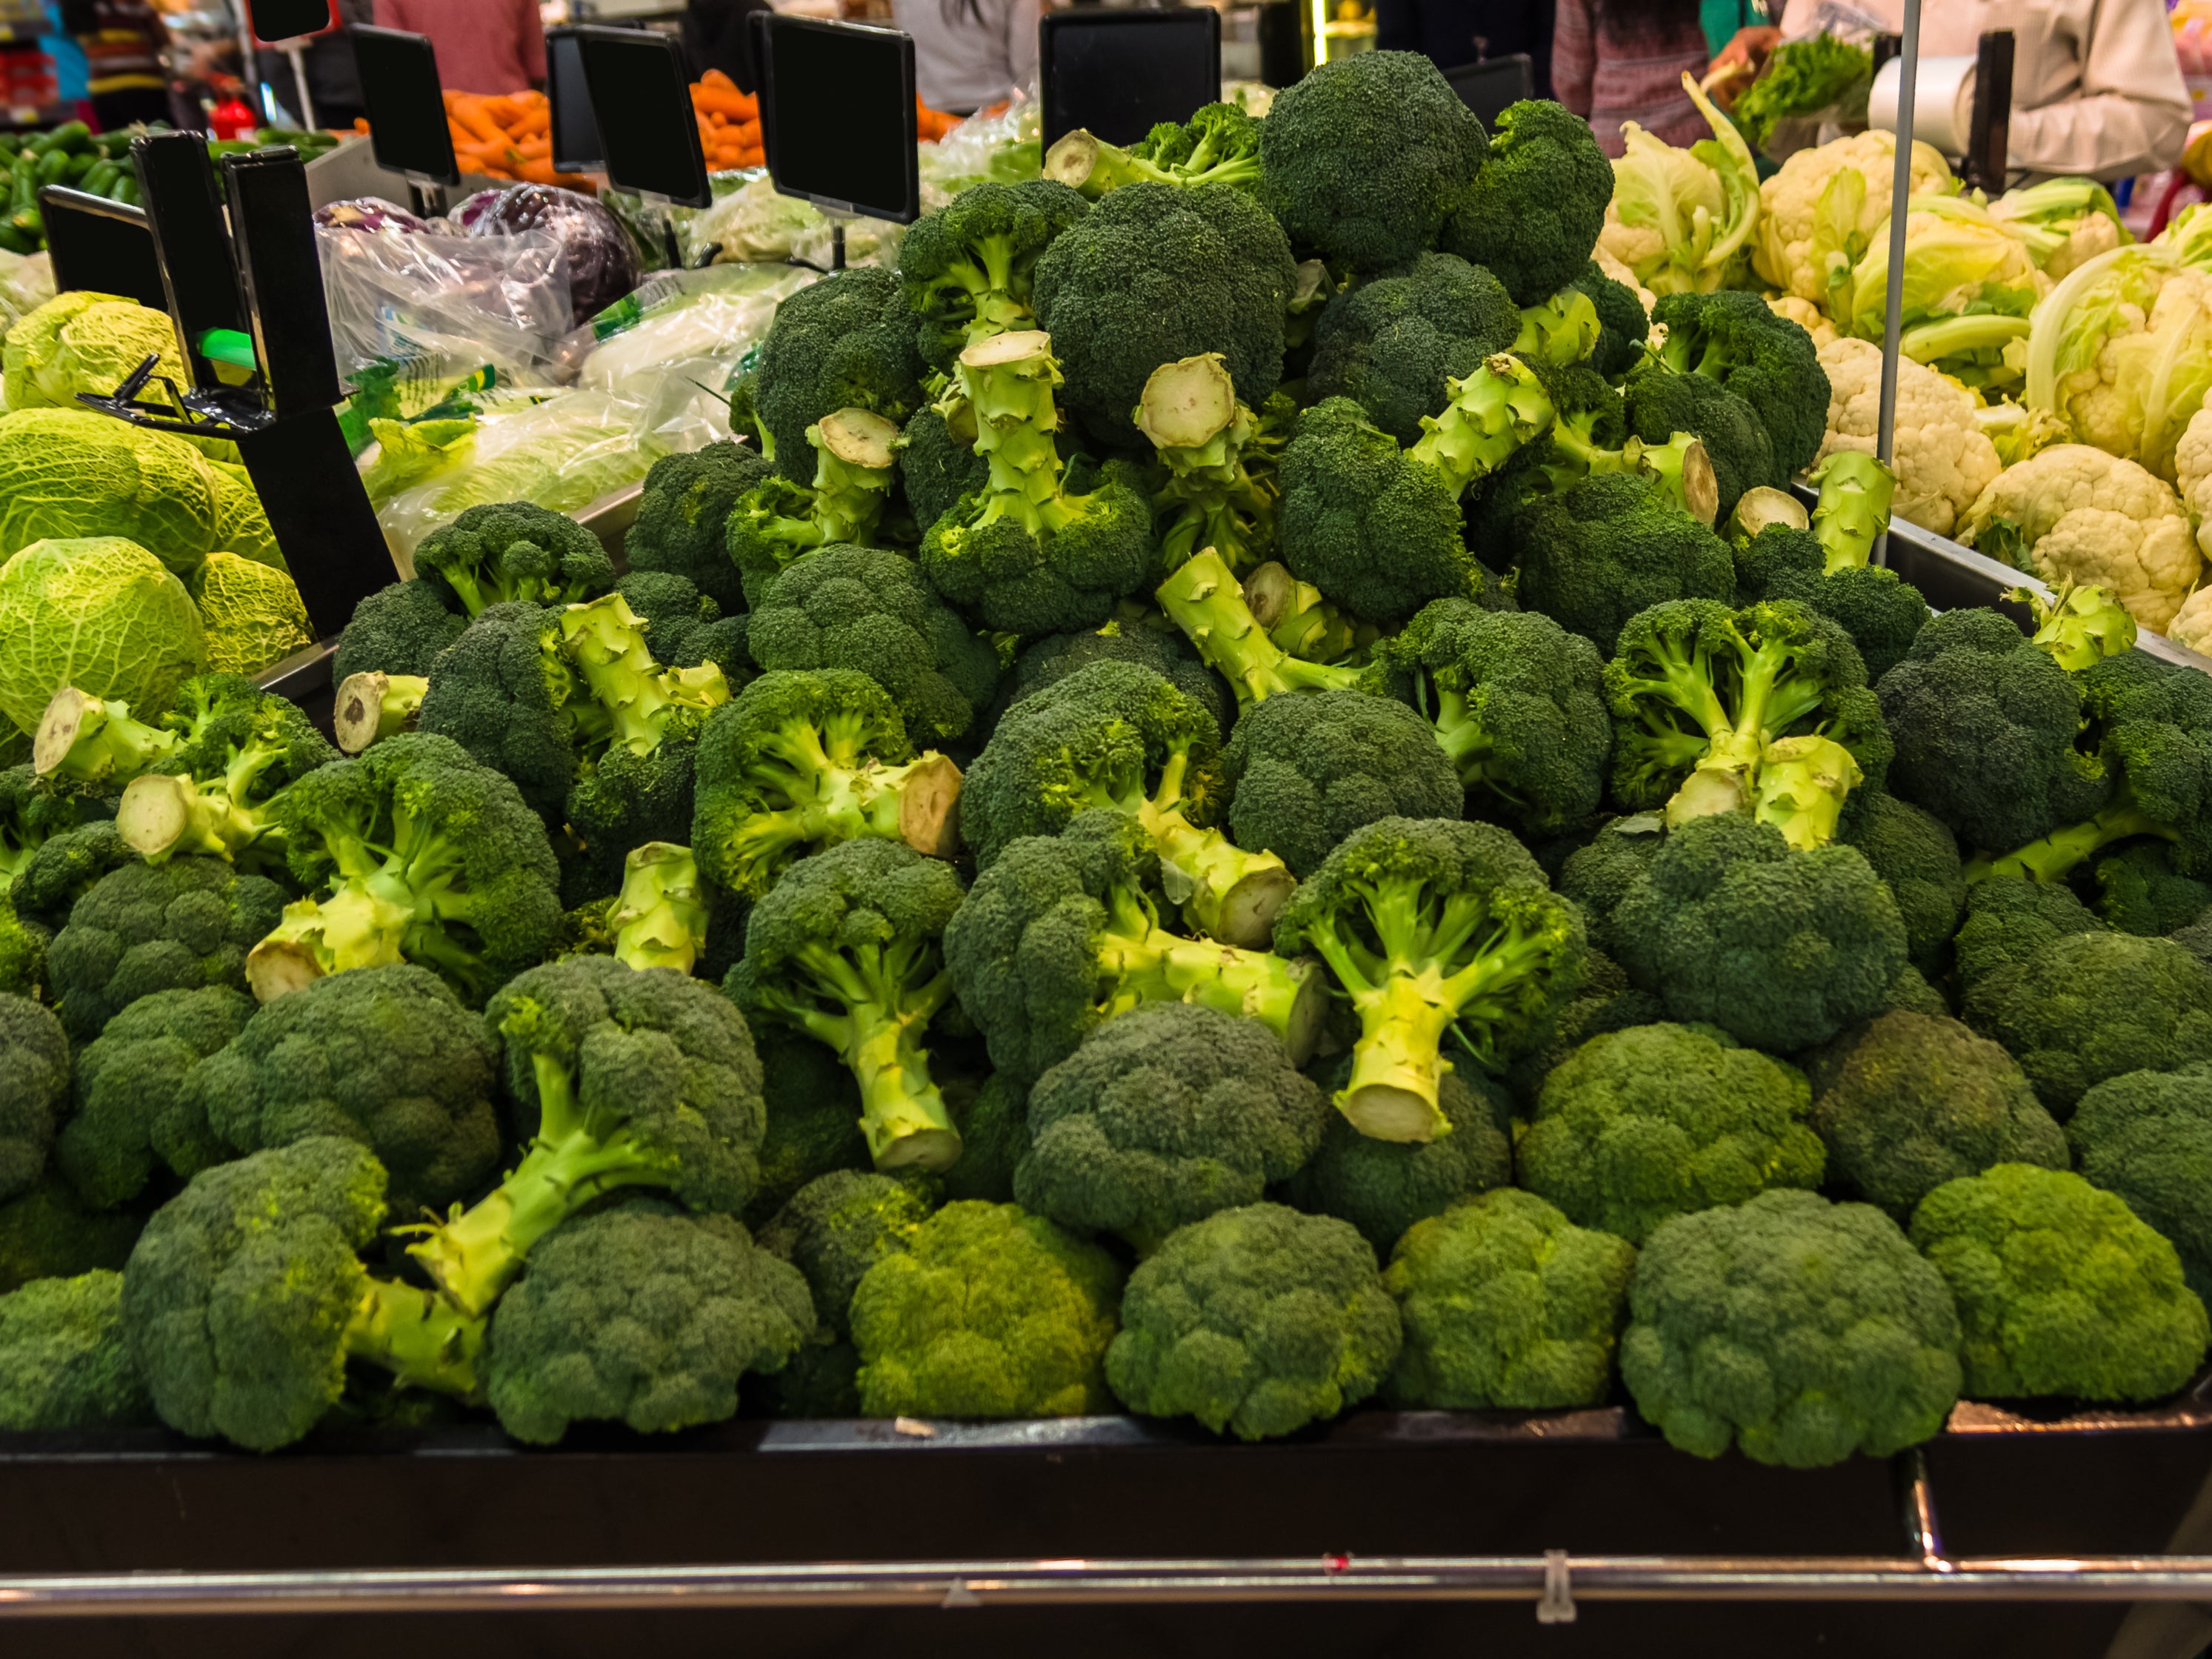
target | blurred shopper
[
  {"x": 1622, "y": 60},
  {"x": 1456, "y": 32},
  {"x": 970, "y": 54},
  {"x": 483, "y": 46}
]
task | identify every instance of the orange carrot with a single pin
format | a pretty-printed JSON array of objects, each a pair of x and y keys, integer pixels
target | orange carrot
[
  {"x": 472, "y": 115},
  {"x": 708, "y": 100},
  {"x": 714, "y": 77},
  {"x": 748, "y": 133}
]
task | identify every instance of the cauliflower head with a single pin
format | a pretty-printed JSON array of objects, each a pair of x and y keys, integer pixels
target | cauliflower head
[
  {"x": 1833, "y": 200},
  {"x": 1944, "y": 460},
  {"x": 2192, "y": 476},
  {"x": 2192, "y": 624},
  {"x": 1807, "y": 315},
  {"x": 2121, "y": 351}
]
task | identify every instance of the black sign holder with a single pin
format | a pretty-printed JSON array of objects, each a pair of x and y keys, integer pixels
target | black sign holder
[
  {"x": 1989, "y": 129},
  {"x": 285, "y": 26},
  {"x": 641, "y": 96},
  {"x": 852, "y": 157},
  {"x": 406, "y": 105},
  {"x": 1118, "y": 74},
  {"x": 577, "y": 146},
  {"x": 100, "y": 244}
]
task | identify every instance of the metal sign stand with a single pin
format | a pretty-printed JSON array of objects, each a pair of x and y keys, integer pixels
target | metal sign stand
[{"x": 1900, "y": 194}]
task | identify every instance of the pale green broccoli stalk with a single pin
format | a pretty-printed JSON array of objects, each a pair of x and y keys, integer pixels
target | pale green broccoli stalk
[
  {"x": 1561, "y": 330},
  {"x": 1203, "y": 597},
  {"x": 84, "y": 739},
  {"x": 372, "y": 704},
  {"x": 2078, "y": 626},
  {"x": 639, "y": 703},
  {"x": 1853, "y": 509},
  {"x": 1218, "y": 145},
  {"x": 216, "y": 795},
  {"x": 1300, "y": 619},
  {"x": 1219, "y": 492},
  {"x": 64, "y": 1362},
  {"x": 659, "y": 918},
  {"x": 776, "y": 520}
]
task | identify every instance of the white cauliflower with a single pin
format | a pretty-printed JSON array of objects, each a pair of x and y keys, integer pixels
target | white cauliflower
[
  {"x": 1943, "y": 459},
  {"x": 2142, "y": 336},
  {"x": 2192, "y": 473},
  {"x": 2192, "y": 624},
  {"x": 1803, "y": 312},
  {"x": 1790, "y": 220},
  {"x": 1620, "y": 273},
  {"x": 2148, "y": 565}
]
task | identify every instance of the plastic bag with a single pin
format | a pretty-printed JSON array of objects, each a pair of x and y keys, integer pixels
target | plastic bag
[
  {"x": 757, "y": 224},
  {"x": 673, "y": 345},
  {"x": 1007, "y": 147},
  {"x": 26, "y": 281},
  {"x": 603, "y": 261},
  {"x": 456, "y": 302}
]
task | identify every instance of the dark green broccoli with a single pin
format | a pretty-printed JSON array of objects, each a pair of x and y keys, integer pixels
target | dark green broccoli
[
  {"x": 138, "y": 1108},
  {"x": 399, "y": 630},
  {"x": 1611, "y": 546},
  {"x": 1761, "y": 355},
  {"x": 35, "y": 889},
  {"x": 802, "y": 759},
  {"x": 2010, "y": 919},
  {"x": 2091, "y": 1005},
  {"x": 838, "y": 1226},
  {"x": 1658, "y": 403},
  {"x": 2061, "y": 1289},
  {"x": 1256, "y": 1320},
  {"x": 1799, "y": 1330},
  {"x": 1162, "y": 1117},
  {"x": 49, "y": 1233},
  {"x": 147, "y": 928},
  {"x": 1158, "y": 272},
  {"x": 242, "y": 747},
  {"x": 1658, "y": 1121},
  {"x": 34, "y": 1089},
  {"x": 1060, "y": 933},
  {"x": 813, "y": 1120},
  {"x": 1908, "y": 1102},
  {"x": 687, "y": 499},
  {"x": 968, "y": 266},
  {"x": 869, "y": 609},
  {"x": 505, "y": 551},
  {"x": 1433, "y": 927},
  {"x": 855, "y": 458},
  {"x": 2140, "y": 891},
  {"x": 1384, "y": 1187},
  {"x": 1606, "y": 1003},
  {"x": 64, "y": 1362},
  {"x": 992, "y": 1115},
  {"x": 506, "y": 694},
  {"x": 1366, "y": 157},
  {"x": 1506, "y": 1304},
  {"x": 1049, "y": 660},
  {"x": 2147, "y": 1136},
  {"x": 846, "y": 342},
  {"x": 938, "y": 462},
  {"x": 643, "y": 1315},
  {"x": 1217, "y": 488},
  {"x": 1882, "y": 614},
  {"x": 1391, "y": 344},
  {"x": 1218, "y": 145},
  {"x": 686, "y": 628},
  {"x": 989, "y": 1312},
  {"x": 1600, "y": 874},
  {"x": 410, "y": 852},
  {"x": 1533, "y": 212},
  {"x": 1623, "y": 323},
  {"x": 1917, "y": 854}
]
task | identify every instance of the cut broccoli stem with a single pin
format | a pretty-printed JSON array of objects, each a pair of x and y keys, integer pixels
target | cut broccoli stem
[
  {"x": 1083, "y": 161},
  {"x": 659, "y": 919},
  {"x": 1562, "y": 329},
  {"x": 1140, "y": 962},
  {"x": 2078, "y": 626},
  {"x": 357, "y": 926},
  {"x": 1209, "y": 442},
  {"x": 83, "y": 739},
  {"x": 418, "y": 1336},
  {"x": 1203, "y": 600},
  {"x": 1491, "y": 413},
  {"x": 1804, "y": 783},
  {"x": 1187, "y": 404},
  {"x": 1224, "y": 890},
  {"x": 1297, "y": 618},
  {"x": 854, "y": 454},
  {"x": 1008, "y": 380},
  {"x": 1856, "y": 491},
  {"x": 374, "y": 705},
  {"x": 2058, "y": 854},
  {"x": 606, "y": 640},
  {"x": 1762, "y": 505},
  {"x": 164, "y": 813},
  {"x": 1680, "y": 464}
]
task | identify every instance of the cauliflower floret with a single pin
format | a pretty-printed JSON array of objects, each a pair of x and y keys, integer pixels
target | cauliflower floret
[
  {"x": 1943, "y": 460},
  {"x": 2148, "y": 565},
  {"x": 2192, "y": 624},
  {"x": 2122, "y": 400},
  {"x": 1807, "y": 315},
  {"x": 1790, "y": 205},
  {"x": 2095, "y": 234},
  {"x": 1611, "y": 266},
  {"x": 2192, "y": 474}
]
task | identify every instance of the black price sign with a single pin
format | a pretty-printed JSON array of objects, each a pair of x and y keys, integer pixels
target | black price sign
[
  {"x": 1117, "y": 74},
  {"x": 837, "y": 116},
  {"x": 641, "y": 98},
  {"x": 406, "y": 105}
]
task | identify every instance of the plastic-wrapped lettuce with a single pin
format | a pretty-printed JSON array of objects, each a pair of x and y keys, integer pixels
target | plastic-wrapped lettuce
[
  {"x": 673, "y": 345},
  {"x": 753, "y": 223}
]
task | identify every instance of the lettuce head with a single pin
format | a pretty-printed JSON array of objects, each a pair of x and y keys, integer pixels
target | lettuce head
[
  {"x": 86, "y": 342},
  {"x": 66, "y": 473},
  {"x": 99, "y": 613}
]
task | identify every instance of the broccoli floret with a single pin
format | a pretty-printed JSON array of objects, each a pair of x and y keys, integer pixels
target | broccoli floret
[
  {"x": 2061, "y": 1289},
  {"x": 399, "y": 630},
  {"x": 34, "y": 1089},
  {"x": 686, "y": 628},
  {"x": 2147, "y": 1136},
  {"x": 504, "y": 693},
  {"x": 138, "y": 1107},
  {"x": 1799, "y": 1330},
  {"x": 1533, "y": 212},
  {"x": 1166, "y": 652},
  {"x": 505, "y": 551},
  {"x": 993, "y": 1118},
  {"x": 1599, "y": 874},
  {"x": 410, "y": 852},
  {"x": 1658, "y": 403},
  {"x": 2011, "y": 920},
  {"x": 1366, "y": 157},
  {"x": 242, "y": 747},
  {"x": 1158, "y": 272},
  {"x": 967, "y": 267},
  {"x": 1606, "y": 1003},
  {"x": 1059, "y": 934},
  {"x": 1162, "y": 1117},
  {"x": 1659, "y": 1121},
  {"x": 1118, "y": 736},
  {"x": 1384, "y": 1187},
  {"x": 846, "y": 342},
  {"x": 147, "y": 928},
  {"x": 1882, "y": 614},
  {"x": 1518, "y": 706},
  {"x": 1257, "y": 1320},
  {"x": 644, "y": 1315},
  {"x": 990, "y": 1312},
  {"x": 870, "y": 609},
  {"x": 63, "y": 1363},
  {"x": 1432, "y": 927},
  {"x": 1217, "y": 488},
  {"x": 23, "y": 952},
  {"x": 48, "y": 1232},
  {"x": 687, "y": 499},
  {"x": 1218, "y": 145},
  {"x": 1759, "y": 354},
  {"x": 1507, "y": 1304},
  {"x": 2092, "y": 1006},
  {"x": 837, "y": 1227},
  {"x": 2140, "y": 891},
  {"x": 938, "y": 462},
  {"x": 802, "y": 759},
  {"x": 1611, "y": 546},
  {"x": 1909, "y": 1102},
  {"x": 1918, "y": 856},
  {"x": 856, "y": 455},
  {"x": 1391, "y": 344},
  {"x": 1623, "y": 323},
  {"x": 813, "y": 1120}
]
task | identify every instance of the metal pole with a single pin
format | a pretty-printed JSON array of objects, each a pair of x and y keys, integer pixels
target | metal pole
[
  {"x": 1901, "y": 192},
  {"x": 299, "y": 81}
]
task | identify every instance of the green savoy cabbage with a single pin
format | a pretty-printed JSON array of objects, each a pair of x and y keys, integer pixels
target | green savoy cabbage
[
  {"x": 86, "y": 342},
  {"x": 67, "y": 472},
  {"x": 99, "y": 613},
  {"x": 240, "y": 526},
  {"x": 252, "y": 613}
]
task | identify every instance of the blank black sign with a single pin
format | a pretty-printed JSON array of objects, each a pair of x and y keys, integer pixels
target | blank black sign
[
  {"x": 576, "y": 146},
  {"x": 641, "y": 100},
  {"x": 102, "y": 246},
  {"x": 287, "y": 20},
  {"x": 406, "y": 106},
  {"x": 1120, "y": 74},
  {"x": 838, "y": 113}
]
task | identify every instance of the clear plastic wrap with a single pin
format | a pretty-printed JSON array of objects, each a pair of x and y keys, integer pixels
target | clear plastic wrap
[
  {"x": 671, "y": 346},
  {"x": 26, "y": 281},
  {"x": 457, "y": 301},
  {"x": 1007, "y": 147},
  {"x": 603, "y": 261},
  {"x": 756, "y": 224},
  {"x": 371, "y": 213}
]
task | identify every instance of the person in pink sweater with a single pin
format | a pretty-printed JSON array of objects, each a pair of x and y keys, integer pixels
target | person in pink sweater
[
  {"x": 483, "y": 46},
  {"x": 1622, "y": 60}
]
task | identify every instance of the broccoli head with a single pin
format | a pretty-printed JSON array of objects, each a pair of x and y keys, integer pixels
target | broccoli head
[
  {"x": 992, "y": 1114},
  {"x": 1623, "y": 324},
  {"x": 2010, "y": 918},
  {"x": 1507, "y": 1304},
  {"x": 846, "y": 342},
  {"x": 1782, "y": 561},
  {"x": 686, "y": 501},
  {"x": 1917, "y": 854},
  {"x": 813, "y": 1120},
  {"x": 242, "y": 747},
  {"x": 1729, "y": 927},
  {"x": 1658, "y": 403},
  {"x": 1908, "y": 1102},
  {"x": 937, "y": 462},
  {"x": 1799, "y": 1330},
  {"x": 2147, "y": 1136},
  {"x": 686, "y": 628},
  {"x": 1533, "y": 212},
  {"x": 1739, "y": 340},
  {"x": 2139, "y": 890},
  {"x": 968, "y": 267},
  {"x": 136, "y": 1107},
  {"x": 1366, "y": 157},
  {"x": 2062, "y": 1288},
  {"x": 643, "y": 1315},
  {"x": 1390, "y": 344},
  {"x": 838, "y": 1226},
  {"x": 1162, "y": 1117},
  {"x": 506, "y": 694},
  {"x": 34, "y": 1089},
  {"x": 1384, "y": 1187},
  {"x": 777, "y": 521},
  {"x": 399, "y": 630},
  {"x": 989, "y": 1312},
  {"x": 48, "y": 1232},
  {"x": 1047, "y": 661},
  {"x": 506, "y": 552},
  {"x": 1256, "y": 1320},
  {"x": 1598, "y": 873},
  {"x": 1614, "y": 545},
  {"x": 64, "y": 1362},
  {"x": 148, "y": 927},
  {"x": 1218, "y": 145}
]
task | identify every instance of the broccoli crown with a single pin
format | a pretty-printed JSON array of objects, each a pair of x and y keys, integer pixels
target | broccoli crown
[
  {"x": 989, "y": 1312},
  {"x": 399, "y": 630},
  {"x": 1917, "y": 854},
  {"x": 35, "y": 1088},
  {"x": 135, "y": 1105},
  {"x": 1600, "y": 872},
  {"x": 2139, "y": 890},
  {"x": 968, "y": 267},
  {"x": 2010, "y": 918},
  {"x": 1800, "y": 1330},
  {"x": 1045, "y": 662},
  {"x": 1518, "y": 705},
  {"x": 148, "y": 927},
  {"x": 502, "y": 692},
  {"x": 1657, "y": 1120},
  {"x": 48, "y": 1232},
  {"x": 846, "y": 342},
  {"x": 1384, "y": 1187},
  {"x": 813, "y": 1120},
  {"x": 1780, "y": 949},
  {"x": 1258, "y": 1321},
  {"x": 687, "y": 627},
  {"x": 1882, "y": 613},
  {"x": 1660, "y": 403},
  {"x": 64, "y": 1364},
  {"x": 1162, "y": 1117},
  {"x": 2147, "y": 1136},
  {"x": 838, "y": 1226},
  {"x": 2061, "y": 1289},
  {"x": 1390, "y": 344},
  {"x": 993, "y": 1118},
  {"x": 1507, "y": 1304},
  {"x": 687, "y": 498},
  {"x": 2091, "y": 1005},
  {"x": 1763, "y": 357},
  {"x": 1220, "y": 144},
  {"x": 504, "y": 551},
  {"x": 1366, "y": 157},
  {"x": 1154, "y": 273},
  {"x": 869, "y": 609},
  {"x": 1623, "y": 324},
  {"x": 1304, "y": 772},
  {"x": 1534, "y": 211},
  {"x": 936, "y": 465},
  {"x": 55, "y": 842},
  {"x": 643, "y": 1315},
  {"x": 1606, "y": 1003},
  {"x": 1984, "y": 725},
  {"x": 239, "y": 737},
  {"x": 1910, "y": 1102},
  {"x": 1612, "y": 545}
]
